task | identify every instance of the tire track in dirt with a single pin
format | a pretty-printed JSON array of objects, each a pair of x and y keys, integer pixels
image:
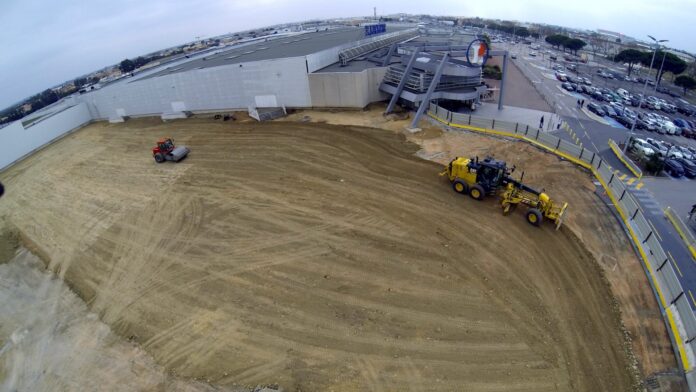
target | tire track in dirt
[{"x": 318, "y": 257}]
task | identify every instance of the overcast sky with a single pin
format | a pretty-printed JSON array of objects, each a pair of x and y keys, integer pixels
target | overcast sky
[{"x": 46, "y": 42}]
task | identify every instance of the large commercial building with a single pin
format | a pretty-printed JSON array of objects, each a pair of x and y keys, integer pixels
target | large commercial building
[{"x": 339, "y": 67}]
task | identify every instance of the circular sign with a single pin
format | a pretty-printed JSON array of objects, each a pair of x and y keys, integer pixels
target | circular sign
[{"x": 477, "y": 53}]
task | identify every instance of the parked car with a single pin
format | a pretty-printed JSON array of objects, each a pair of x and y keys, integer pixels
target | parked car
[
  {"x": 513, "y": 56},
  {"x": 673, "y": 152},
  {"x": 670, "y": 128},
  {"x": 642, "y": 147},
  {"x": 609, "y": 111},
  {"x": 673, "y": 168},
  {"x": 625, "y": 121},
  {"x": 657, "y": 147},
  {"x": 533, "y": 54},
  {"x": 681, "y": 123},
  {"x": 595, "y": 108},
  {"x": 568, "y": 86}
]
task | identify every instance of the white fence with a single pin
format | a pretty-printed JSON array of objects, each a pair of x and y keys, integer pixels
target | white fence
[{"x": 674, "y": 303}]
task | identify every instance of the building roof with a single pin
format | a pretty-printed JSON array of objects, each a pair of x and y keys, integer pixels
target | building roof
[{"x": 273, "y": 48}]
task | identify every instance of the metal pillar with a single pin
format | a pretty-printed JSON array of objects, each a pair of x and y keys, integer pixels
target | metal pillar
[
  {"x": 392, "y": 49},
  {"x": 502, "y": 82},
  {"x": 402, "y": 83},
  {"x": 426, "y": 100}
]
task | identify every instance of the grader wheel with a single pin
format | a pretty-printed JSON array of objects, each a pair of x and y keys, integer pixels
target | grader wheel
[{"x": 534, "y": 217}]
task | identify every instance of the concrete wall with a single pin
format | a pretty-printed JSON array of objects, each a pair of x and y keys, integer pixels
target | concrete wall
[
  {"x": 16, "y": 141},
  {"x": 226, "y": 87},
  {"x": 347, "y": 89}
]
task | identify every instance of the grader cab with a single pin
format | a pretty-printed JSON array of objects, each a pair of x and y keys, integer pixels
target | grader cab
[{"x": 491, "y": 177}]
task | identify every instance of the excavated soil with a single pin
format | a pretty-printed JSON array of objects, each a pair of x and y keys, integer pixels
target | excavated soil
[
  {"x": 318, "y": 257},
  {"x": 588, "y": 217}
]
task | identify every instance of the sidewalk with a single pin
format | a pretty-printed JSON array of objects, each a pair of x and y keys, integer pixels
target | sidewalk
[{"x": 516, "y": 114}]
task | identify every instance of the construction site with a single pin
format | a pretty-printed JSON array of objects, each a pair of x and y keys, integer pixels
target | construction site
[{"x": 323, "y": 250}]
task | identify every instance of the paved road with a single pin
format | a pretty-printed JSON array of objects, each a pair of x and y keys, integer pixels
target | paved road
[{"x": 593, "y": 132}]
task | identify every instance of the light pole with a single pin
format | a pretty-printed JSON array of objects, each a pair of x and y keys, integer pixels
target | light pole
[
  {"x": 642, "y": 96},
  {"x": 657, "y": 77}
]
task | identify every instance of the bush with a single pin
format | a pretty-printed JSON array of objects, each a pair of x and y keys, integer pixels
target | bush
[
  {"x": 654, "y": 164},
  {"x": 492, "y": 72}
]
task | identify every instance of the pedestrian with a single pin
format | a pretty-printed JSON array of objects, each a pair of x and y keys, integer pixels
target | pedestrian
[
  {"x": 541, "y": 123},
  {"x": 582, "y": 104},
  {"x": 558, "y": 126},
  {"x": 578, "y": 103}
]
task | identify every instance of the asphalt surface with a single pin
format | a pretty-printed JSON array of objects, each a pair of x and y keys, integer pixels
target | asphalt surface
[{"x": 654, "y": 194}]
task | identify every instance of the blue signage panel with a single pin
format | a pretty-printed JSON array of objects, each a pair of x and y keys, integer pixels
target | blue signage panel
[{"x": 375, "y": 29}]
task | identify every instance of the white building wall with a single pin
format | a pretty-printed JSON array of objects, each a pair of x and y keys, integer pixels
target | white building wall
[
  {"x": 347, "y": 89},
  {"x": 16, "y": 141},
  {"x": 216, "y": 88}
]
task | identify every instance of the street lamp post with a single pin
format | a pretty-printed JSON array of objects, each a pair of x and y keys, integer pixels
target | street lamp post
[
  {"x": 657, "y": 77},
  {"x": 642, "y": 97}
]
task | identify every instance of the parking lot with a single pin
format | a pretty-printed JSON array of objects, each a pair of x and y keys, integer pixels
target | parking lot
[
  {"x": 593, "y": 128},
  {"x": 612, "y": 101}
]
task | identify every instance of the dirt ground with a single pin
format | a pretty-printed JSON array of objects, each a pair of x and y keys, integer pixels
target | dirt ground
[
  {"x": 327, "y": 257},
  {"x": 587, "y": 217}
]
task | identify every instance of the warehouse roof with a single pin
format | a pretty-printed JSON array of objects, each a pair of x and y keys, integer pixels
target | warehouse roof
[{"x": 280, "y": 47}]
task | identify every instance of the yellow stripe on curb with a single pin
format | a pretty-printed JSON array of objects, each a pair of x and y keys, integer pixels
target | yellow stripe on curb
[{"x": 620, "y": 155}]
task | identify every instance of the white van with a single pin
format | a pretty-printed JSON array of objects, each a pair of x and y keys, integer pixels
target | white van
[{"x": 623, "y": 93}]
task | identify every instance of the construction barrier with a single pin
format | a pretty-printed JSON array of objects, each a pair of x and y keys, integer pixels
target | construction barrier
[
  {"x": 683, "y": 230},
  {"x": 677, "y": 311},
  {"x": 625, "y": 159}
]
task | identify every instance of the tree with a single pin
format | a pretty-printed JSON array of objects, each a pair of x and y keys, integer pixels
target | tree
[
  {"x": 79, "y": 82},
  {"x": 48, "y": 96},
  {"x": 557, "y": 39},
  {"x": 630, "y": 57},
  {"x": 574, "y": 44},
  {"x": 521, "y": 32},
  {"x": 140, "y": 61},
  {"x": 686, "y": 82},
  {"x": 672, "y": 64},
  {"x": 126, "y": 66}
]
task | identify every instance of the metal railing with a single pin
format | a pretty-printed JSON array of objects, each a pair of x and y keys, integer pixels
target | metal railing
[{"x": 674, "y": 304}]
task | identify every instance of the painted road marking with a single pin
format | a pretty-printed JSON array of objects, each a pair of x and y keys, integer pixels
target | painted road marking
[
  {"x": 631, "y": 181},
  {"x": 623, "y": 176},
  {"x": 692, "y": 298},
  {"x": 655, "y": 230},
  {"x": 640, "y": 185},
  {"x": 582, "y": 126},
  {"x": 675, "y": 263}
]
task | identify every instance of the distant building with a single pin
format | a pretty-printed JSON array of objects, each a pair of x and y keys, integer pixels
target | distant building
[{"x": 613, "y": 36}]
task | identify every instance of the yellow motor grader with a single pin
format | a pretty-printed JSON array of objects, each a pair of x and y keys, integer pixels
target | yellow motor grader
[{"x": 492, "y": 177}]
